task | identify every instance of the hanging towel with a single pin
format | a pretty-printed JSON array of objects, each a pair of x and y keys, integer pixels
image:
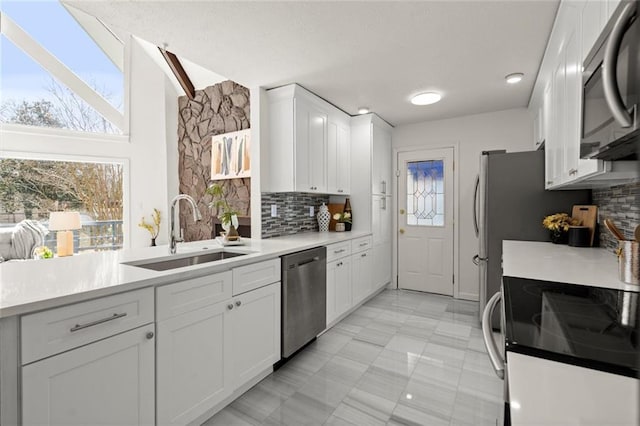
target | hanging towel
[{"x": 26, "y": 236}]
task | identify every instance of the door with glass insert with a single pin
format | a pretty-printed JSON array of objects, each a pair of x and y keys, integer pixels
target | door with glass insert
[{"x": 425, "y": 220}]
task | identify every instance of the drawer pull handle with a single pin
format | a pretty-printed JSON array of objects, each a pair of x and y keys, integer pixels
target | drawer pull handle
[
  {"x": 100, "y": 321},
  {"x": 230, "y": 306},
  {"x": 238, "y": 302},
  {"x": 363, "y": 244},
  {"x": 363, "y": 255},
  {"x": 338, "y": 251},
  {"x": 150, "y": 335}
]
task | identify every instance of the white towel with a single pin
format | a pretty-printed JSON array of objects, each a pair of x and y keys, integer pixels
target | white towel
[{"x": 26, "y": 236}]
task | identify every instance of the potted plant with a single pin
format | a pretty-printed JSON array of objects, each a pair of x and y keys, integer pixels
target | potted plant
[
  {"x": 153, "y": 228},
  {"x": 226, "y": 214},
  {"x": 558, "y": 225},
  {"x": 342, "y": 219}
]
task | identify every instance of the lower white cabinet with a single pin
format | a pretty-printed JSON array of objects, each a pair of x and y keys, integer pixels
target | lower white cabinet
[
  {"x": 204, "y": 355},
  {"x": 361, "y": 267},
  {"x": 193, "y": 363},
  {"x": 110, "y": 382},
  {"x": 339, "y": 295},
  {"x": 381, "y": 265},
  {"x": 256, "y": 332}
]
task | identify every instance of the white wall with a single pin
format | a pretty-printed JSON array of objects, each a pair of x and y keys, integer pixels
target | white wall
[
  {"x": 153, "y": 139},
  {"x": 509, "y": 129}
]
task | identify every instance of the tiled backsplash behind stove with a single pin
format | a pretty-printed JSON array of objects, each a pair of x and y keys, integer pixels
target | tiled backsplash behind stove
[
  {"x": 293, "y": 212},
  {"x": 622, "y": 205}
]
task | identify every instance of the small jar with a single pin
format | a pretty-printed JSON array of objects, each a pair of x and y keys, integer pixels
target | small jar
[{"x": 340, "y": 227}]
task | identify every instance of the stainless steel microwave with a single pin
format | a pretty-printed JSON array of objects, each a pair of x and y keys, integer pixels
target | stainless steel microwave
[{"x": 611, "y": 98}]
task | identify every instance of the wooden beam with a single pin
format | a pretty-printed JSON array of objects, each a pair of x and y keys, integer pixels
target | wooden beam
[{"x": 179, "y": 72}]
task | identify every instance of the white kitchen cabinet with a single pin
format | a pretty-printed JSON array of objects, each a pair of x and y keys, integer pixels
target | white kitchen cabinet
[
  {"x": 339, "y": 297},
  {"x": 339, "y": 156},
  {"x": 110, "y": 382},
  {"x": 308, "y": 149},
  {"x": 382, "y": 239},
  {"x": 255, "y": 322},
  {"x": 361, "y": 275},
  {"x": 194, "y": 363},
  {"x": 381, "y": 160}
]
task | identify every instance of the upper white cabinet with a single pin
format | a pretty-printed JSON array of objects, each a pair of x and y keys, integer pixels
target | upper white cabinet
[
  {"x": 556, "y": 103},
  {"x": 308, "y": 143}
]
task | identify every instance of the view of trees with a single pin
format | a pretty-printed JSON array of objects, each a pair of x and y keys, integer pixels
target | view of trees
[{"x": 34, "y": 186}]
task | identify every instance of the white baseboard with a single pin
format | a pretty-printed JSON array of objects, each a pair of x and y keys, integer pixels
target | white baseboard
[{"x": 468, "y": 296}]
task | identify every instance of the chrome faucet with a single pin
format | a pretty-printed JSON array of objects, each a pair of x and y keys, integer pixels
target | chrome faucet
[{"x": 196, "y": 217}]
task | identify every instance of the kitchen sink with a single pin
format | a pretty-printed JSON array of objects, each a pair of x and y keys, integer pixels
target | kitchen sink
[{"x": 165, "y": 264}]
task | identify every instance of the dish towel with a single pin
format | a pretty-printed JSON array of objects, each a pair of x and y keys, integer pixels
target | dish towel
[{"x": 26, "y": 236}]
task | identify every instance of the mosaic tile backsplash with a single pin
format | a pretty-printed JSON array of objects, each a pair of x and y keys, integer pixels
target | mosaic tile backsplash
[
  {"x": 622, "y": 205},
  {"x": 293, "y": 213}
]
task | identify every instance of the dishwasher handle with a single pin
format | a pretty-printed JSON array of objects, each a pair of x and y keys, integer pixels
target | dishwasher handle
[{"x": 304, "y": 262}]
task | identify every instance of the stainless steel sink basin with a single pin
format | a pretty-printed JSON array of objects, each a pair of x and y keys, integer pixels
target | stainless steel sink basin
[{"x": 180, "y": 262}]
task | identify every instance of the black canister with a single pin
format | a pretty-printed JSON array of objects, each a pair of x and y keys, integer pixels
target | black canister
[{"x": 579, "y": 236}]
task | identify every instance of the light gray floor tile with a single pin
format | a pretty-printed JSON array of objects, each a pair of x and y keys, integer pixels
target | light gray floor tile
[
  {"x": 478, "y": 362},
  {"x": 383, "y": 383},
  {"x": 331, "y": 342},
  {"x": 406, "y": 345},
  {"x": 489, "y": 387},
  {"x": 323, "y": 389},
  {"x": 360, "y": 351},
  {"x": 437, "y": 373},
  {"x": 374, "y": 336},
  {"x": 310, "y": 360},
  {"x": 287, "y": 380},
  {"x": 300, "y": 410},
  {"x": 401, "y": 363},
  {"x": 471, "y": 409},
  {"x": 230, "y": 417},
  {"x": 432, "y": 399},
  {"x": 365, "y": 408},
  {"x": 443, "y": 355},
  {"x": 409, "y": 416},
  {"x": 348, "y": 329},
  {"x": 370, "y": 312},
  {"x": 259, "y": 402},
  {"x": 449, "y": 341},
  {"x": 343, "y": 370},
  {"x": 337, "y": 421},
  {"x": 356, "y": 319}
]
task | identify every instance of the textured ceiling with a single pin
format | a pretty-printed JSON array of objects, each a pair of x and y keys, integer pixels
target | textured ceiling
[{"x": 375, "y": 54}]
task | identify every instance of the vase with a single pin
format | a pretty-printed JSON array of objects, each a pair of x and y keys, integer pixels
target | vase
[
  {"x": 347, "y": 209},
  {"x": 324, "y": 217},
  {"x": 559, "y": 237},
  {"x": 340, "y": 227},
  {"x": 153, "y": 242}
]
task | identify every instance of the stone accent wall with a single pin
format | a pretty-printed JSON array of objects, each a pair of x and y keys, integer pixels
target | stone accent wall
[
  {"x": 293, "y": 213},
  {"x": 221, "y": 108},
  {"x": 620, "y": 204}
]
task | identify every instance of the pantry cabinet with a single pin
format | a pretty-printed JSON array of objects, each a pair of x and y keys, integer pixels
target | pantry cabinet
[{"x": 308, "y": 145}]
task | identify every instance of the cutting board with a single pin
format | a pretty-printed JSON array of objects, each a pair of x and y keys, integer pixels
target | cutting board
[
  {"x": 333, "y": 209},
  {"x": 587, "y": 215}
]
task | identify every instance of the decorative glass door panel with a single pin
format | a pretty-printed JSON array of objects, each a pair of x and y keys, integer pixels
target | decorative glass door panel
[{"x": 425, "y": 193}]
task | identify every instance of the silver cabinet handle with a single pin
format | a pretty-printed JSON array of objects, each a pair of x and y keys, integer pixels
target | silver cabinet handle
[
  {"x": 610, "y": 65},
  {"x": 339, "y": 264},
  {"x": 384, "y": 187},
  {"x": 238, "y": 302},
  {"x": 487, "y": 334},
  {"x": 230, "y": 306},
  {"x": 363, "y": 255},
  {"x": 384, "y": 203},
  {"x": 339, "y": 251},
  {"x": 573, "y": 171},
  {"x": 475, "y": 206},
  {"x": 363, "y": 244},
  {"x": 150, "y": 335},
  {"x": 340, "y": 190},
  {"x": 100, "y": 321}
]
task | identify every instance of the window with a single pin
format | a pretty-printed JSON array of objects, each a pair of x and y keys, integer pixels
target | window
[
  {"x": 53, "y": 72},
  {"x": 425, "y": 193},
  {"x": 31, "y": 189}
]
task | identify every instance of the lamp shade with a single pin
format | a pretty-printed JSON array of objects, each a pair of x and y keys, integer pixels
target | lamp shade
[{"x": 64, "y": 221}]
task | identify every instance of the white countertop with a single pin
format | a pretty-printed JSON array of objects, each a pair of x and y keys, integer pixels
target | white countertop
[
  {"x": 560, "y": 263},
  {"x": 32, "y": 285}
]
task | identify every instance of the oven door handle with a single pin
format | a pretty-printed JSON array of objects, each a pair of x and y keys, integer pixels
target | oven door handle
[
  {"x": 610, "y": 65},
  {"x": 475, "y": 206},
  {"x": 487, "y": 333}
]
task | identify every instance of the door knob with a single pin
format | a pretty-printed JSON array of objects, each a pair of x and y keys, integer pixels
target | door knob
[
  {"x": 401, "y": 211},
  {"x": 150, "y": 335},
  {"x": 230, "y": 306},
  {"x": 238, "y": 302},
  {"x": 402, "y": 230}
]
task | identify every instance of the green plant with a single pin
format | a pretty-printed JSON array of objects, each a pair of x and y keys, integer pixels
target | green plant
[
  {"x": 153, "y": 228},
  {"x": 225, "y": 212},
  {"x": 342, "y": 217}
]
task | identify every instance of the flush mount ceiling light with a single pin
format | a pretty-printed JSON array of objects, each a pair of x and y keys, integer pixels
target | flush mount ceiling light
[
  {"x": 514, "y": 78},
  {"x": 363, "y": 110},
  {"x": 426, "y": 98}
]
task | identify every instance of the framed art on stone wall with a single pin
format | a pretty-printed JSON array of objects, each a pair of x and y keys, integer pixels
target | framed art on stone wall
[{"x": 231, "y": 155}]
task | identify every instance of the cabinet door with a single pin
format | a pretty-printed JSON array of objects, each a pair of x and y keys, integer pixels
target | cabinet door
[
  {"x": 381, "y": 265},
  {"x": 256, "y": 332},
  {"x": 109, "y": 382},
  {"x": 310, "y": 147},
  {"x": 194, "y": 370},
  {"x": 381, "y": 171},
  {"x": 381, "y": 219},
  {"x": 593, "y": 19},
  {"x": 361, "y": 264},
  {"x": 573, "y": 95},
  {"x": 338, "y": 288},
  {"x": 338, "y": 159}
]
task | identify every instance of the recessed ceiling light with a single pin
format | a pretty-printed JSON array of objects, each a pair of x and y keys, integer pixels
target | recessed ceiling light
[
  {"x": 514, "y": 78},
  {"x": 426, "y": 98},
  {"x": 363, "y": 110}
]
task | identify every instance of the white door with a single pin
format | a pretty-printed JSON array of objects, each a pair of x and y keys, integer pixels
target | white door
[
  {"x": 425, "y": 220},
  {"x": 256, "y": 332},
  {"x": 109, "y": 382},
  {"x": 194, "y": 363}
]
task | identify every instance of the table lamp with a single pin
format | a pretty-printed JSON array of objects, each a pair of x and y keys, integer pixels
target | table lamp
[{"x": 64, "y": 223}]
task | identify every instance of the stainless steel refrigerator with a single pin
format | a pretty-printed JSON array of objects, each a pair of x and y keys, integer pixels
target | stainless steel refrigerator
[{"x": 510, "y": 203}]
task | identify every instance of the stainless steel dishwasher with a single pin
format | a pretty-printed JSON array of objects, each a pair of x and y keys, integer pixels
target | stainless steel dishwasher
[{"x": 304, "y": 298}]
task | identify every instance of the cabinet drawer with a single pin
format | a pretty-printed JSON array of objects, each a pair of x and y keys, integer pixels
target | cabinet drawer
[
  {"x": 338, "y": 250},
  {"x": 246, "y": 278},
  {"x": 188, "y": 295},
  {"x": 56, "y": 330},
  {"x": 360, "y": 244}
]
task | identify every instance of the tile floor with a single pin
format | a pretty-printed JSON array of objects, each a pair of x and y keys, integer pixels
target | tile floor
[{"x": 403, "y": 358}]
